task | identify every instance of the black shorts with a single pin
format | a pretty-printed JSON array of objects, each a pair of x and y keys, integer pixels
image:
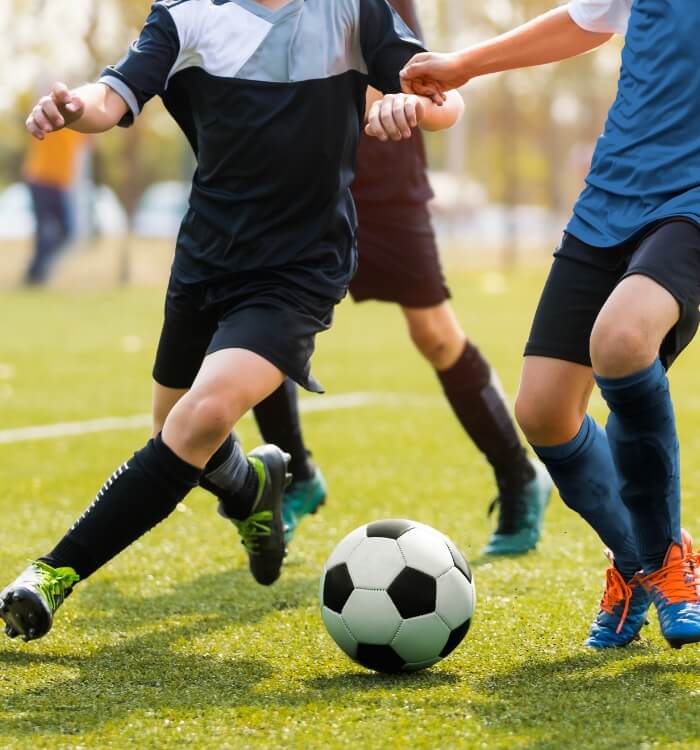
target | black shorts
[
  {"x": 582, "y": 278},
  {"x": 266, "y": 315},
  {"x": 398, "y": 256}
]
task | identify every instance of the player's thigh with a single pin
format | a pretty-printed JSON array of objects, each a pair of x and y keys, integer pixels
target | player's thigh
[
  {"x": 164, "y": 399},
  {"x": 634, "y": 321},
  {"x": 240, "y": 378},
  {"x": 436, "y": 332},
  {"x": 557, "y": 376},
  {"x": 654, "y": 310},
  {"x": 552, "y": 399},
  {"x": 229, "y": 383}
]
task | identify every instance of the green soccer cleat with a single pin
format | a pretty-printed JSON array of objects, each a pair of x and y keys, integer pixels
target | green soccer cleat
[
  {"x": 28, "y": 605},
  {"x": 520, "y": 518},
  {"x": 301, "y": 498},
  {"x": 262, "y": 532}
]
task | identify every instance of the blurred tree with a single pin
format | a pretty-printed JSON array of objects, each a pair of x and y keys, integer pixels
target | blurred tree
[{"x": 524, "y": 135}]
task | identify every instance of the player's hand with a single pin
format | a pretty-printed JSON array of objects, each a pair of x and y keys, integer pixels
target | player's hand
[
  {"x": 394, "y": 116},
  {"x": 53, "y": 112},
  {"x": 434, "y": 71}
]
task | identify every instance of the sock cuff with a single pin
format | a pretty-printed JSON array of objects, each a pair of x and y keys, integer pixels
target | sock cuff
[
  {"x": 223, "y": 453},
  {"x": 470, "y": 372},
  {"x": 637, "y": 389},
  {"x": 172, "y": 464},
  {"x": 565, "y": 451},
  {"x": 651, "y": 374}
]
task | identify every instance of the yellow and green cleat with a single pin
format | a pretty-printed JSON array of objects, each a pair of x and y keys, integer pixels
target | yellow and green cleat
[{"x": 28, "y": 604}]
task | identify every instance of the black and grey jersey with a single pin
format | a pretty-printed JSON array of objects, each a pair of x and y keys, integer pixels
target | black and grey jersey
[{"x": 272, "y": 103}]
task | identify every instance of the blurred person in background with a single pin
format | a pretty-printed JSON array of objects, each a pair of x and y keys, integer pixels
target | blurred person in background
[
  {"x": 399, "y": 263},
  {"x": 50, "y": 171}
]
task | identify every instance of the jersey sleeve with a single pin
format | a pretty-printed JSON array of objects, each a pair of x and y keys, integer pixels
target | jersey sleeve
[
  {"x": 387, "y": 44},
  {"x": 143, "y": 72},
  {"x": 604, "y": 16}
]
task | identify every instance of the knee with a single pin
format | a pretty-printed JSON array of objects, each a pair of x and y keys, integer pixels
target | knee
[
  {"x": 545, "y": 422},
  {"x": 620, "y": 347},
  {"x": 204, "y": 419}
]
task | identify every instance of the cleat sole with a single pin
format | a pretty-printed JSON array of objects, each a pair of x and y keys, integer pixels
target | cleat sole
[
  {"x": 678, "y": 643},
  {"x": 26, "y": 615}
]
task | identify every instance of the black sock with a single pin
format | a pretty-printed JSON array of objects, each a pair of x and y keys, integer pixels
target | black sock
[
  {"x": 480, "y": 408},
  {"x": 278, "y": 420},
  {"x": 231, "y": 477},
  {"x": 140, "y": 494}
]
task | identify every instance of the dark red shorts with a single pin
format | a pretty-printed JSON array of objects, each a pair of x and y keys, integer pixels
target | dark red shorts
[{"x": 398, "y": 256}]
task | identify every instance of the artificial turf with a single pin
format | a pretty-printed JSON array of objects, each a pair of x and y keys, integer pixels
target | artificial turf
[{"x": 173, "y": 645}]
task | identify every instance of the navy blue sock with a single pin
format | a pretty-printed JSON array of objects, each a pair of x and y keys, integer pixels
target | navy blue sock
[
  {"x": 585, "y": 476},
  {"x": 644, "y": 444}
]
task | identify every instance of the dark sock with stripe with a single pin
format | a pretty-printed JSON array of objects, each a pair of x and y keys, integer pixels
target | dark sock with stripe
[
  {"x": 231, "y": 477},
  {"x": 644, "y": 443},
  {"x": 482, "y": 412},
  {"x": 585, "y": 476},
  {"x": 139, "y": 495},
  {"x": 279, "y": 423}
]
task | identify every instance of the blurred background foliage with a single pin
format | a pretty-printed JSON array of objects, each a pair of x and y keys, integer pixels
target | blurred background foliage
[{"x": 526, "y": 136}]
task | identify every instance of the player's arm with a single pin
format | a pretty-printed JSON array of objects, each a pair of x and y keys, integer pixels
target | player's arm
[
  {"x": 548, "y": 38},
  {"x": 122, "y": 91},
  {"x": 92, "y": 108},
  {"x": 394, "y": 116}
]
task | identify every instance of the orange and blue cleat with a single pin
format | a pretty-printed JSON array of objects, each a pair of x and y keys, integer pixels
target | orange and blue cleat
[
  {"x": 623, "y": 611},
  {"x": 675, "y": 590}
]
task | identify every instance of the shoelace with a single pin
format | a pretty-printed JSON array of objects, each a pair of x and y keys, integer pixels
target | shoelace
[
  {"x": 679, "y": 581},
  {"x": 617, "y": 591},
  {"x": 510, "y": 511},
  {"x": 253, "y": 527},
  {"x": 53, "y": 583}
]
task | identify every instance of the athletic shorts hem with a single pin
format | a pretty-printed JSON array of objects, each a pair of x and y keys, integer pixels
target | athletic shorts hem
[
  {"x": 418, "y": 303},
  {"x": 652, "y": 274},
  {"x": 533, "y": 350}
]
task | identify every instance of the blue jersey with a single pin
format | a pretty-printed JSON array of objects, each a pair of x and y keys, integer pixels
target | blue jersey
[
  {"x": 646, "y": 164},
  {"x": 272, "y": 103}
]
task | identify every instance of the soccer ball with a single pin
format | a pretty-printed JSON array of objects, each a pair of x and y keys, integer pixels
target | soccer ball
[{"x": 397, "y": 596}]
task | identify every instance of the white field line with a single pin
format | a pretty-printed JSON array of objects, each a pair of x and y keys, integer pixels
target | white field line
[{"x": 138, "y": 421}]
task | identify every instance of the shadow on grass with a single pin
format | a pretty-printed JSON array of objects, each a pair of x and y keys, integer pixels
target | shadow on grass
[
  {"x": 157, "y": 671},
  {"x": 141, "y": 674},
  {"x": 351, "y": 682},
  {"x": 233, "y": 595},
  {"x": 609, "y": 699}
]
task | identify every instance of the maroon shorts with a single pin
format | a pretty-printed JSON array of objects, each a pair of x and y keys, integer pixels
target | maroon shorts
[{"x": 398, "y": 256}]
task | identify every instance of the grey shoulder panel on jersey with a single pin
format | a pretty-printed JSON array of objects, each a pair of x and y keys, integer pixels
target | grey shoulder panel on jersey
[{"x": 224, "y": 38}]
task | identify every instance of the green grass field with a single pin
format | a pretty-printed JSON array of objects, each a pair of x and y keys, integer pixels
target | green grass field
[{"x": 173, "y": 645}]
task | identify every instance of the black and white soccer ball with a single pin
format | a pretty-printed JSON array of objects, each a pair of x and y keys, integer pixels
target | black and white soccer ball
[{"x": 397, "y": 596}]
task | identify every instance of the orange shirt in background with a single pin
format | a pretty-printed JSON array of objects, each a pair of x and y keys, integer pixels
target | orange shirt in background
[{"x": 54, "y": 160}]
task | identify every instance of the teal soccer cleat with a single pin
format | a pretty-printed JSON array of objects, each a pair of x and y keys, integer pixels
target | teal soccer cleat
[
  {"x": 623, "y": 611},
  {"x": 301, "y": 498},
  {"x": 520, "y": 517}
]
